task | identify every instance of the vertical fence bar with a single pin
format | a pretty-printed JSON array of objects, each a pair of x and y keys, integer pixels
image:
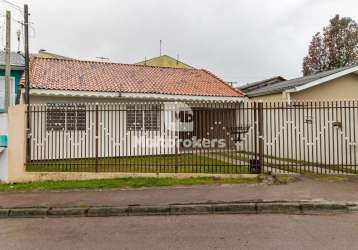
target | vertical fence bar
[
  {"x": 28, "y": 133},
  {"x": 325, "y": 147},
  {"x": 314, "y": 137},
  {"x": 97, "y": 136},
  {"x": 254, "y": 145},
  {"x": 261, "y": 136},
  {"x": 355, "y": 135},
  {"x": 176, "y": 136}
]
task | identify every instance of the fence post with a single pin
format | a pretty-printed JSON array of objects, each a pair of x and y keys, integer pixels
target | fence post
[
  {"x": 28, "y": 133},
  {"x": 261, "y": 135},
  {"x": 176, "y": 137},
  {"x": 255, "y": 129},
  {"x": 97, "y": 137}
]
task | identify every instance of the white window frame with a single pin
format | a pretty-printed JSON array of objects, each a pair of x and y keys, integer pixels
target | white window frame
[
  {"x": 69, "y": 117},
  {"x": 144, "y": 112}
]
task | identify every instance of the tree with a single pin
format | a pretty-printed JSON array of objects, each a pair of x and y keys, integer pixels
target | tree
[{"x": 336, "y": 47}]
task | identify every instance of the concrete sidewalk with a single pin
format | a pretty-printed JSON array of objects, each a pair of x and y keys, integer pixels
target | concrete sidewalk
[{"x": 307, "y": 188}]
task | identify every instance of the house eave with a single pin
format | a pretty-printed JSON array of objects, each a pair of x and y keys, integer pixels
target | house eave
[
  {"x": 14, "y": 67},
  {"x": 114, "y": 95},
  {"x": 308, "y": 84},
  {"x": 323, "y": 80}
]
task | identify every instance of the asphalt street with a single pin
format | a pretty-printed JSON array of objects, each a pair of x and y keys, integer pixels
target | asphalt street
[{"x": 183, "y": 232}]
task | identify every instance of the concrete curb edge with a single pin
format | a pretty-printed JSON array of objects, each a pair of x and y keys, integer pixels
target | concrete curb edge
[{"x": 262, "y": 207}]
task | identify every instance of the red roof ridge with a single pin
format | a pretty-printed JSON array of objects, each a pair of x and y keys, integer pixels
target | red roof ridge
[
  {"x": 61, "y": 74},
  {"x": 221, "y": 80},
  {"x": 111, "y": 63}
]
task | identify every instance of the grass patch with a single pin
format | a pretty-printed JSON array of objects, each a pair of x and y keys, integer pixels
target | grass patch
[
  {"x": 331, "y": 178},
  {"x": 183, "y": 163},
  {"x": 293, "y": 165},
  {"x": 284, "y": 179},
  {"x": 124, "y": 183}
]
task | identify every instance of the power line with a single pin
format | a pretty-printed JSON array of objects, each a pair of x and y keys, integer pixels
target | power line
[
  {"x": 21, "y": 22},
  {"x": 2, "y": 14},
  {"x": 15, "y": 6}
]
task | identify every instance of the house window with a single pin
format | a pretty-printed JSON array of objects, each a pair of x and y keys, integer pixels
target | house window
[
  {"x": 68, "y": 117},
  {"x": 143, "y": 117},
  {"x": 2, "y": 92}
]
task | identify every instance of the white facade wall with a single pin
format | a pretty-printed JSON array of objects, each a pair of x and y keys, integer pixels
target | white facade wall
[{"x": 114, "y": 138}]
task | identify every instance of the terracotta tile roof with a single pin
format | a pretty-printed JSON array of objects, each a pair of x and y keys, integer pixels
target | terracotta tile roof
[{"x": 57, "y": 74}]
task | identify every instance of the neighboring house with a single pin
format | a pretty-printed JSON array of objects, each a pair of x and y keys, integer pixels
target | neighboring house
[
  {"x": 337, "y": 84},
  {"x": 17, "y": 68},
  {"x": 165, "y": 61},
  {"x": 140, "y": 95},
  {"x": 248, "y": 88}
]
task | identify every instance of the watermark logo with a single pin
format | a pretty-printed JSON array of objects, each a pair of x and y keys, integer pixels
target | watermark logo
[
  {"x": 159, "y": 142},
  {"x": 180, "y": 117}
]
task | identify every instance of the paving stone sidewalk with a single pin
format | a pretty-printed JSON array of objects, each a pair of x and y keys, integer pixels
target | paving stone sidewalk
[{"x": 307, "y": 188}]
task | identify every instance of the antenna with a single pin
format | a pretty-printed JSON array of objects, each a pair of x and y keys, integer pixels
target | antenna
[
  {"x": 177, "y": 59},
  {"x": 102, "y": 58},
  {"x": 160, "y": 47}
]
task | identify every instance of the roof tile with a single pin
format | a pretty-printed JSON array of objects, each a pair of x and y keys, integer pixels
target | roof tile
[{"x": 57, "y": 74}]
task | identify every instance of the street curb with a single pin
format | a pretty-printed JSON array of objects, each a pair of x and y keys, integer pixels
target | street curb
[{"x": 245, "y": 207}]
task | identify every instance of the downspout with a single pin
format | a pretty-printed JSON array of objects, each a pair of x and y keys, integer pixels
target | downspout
[{"x": 286, "y": 96}]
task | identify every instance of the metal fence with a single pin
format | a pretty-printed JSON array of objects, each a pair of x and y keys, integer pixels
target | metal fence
[
  {"x": 311, "y": 137},
  {"x": 195, "y": 137}
]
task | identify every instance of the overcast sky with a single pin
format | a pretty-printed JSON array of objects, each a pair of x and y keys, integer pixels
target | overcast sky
[{"x": 238, "y": 40}]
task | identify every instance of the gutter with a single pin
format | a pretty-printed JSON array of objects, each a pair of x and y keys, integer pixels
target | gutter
[
  {"x": 22, "y": 68},
  {"x": 312, "y": 83},
  {"x": 116, "y": 95}
]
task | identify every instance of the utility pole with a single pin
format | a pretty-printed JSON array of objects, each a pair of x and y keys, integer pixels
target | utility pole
[
  {"x": 27, "y": 56},
  {"x": 27, "y": 81},
  {"x": 7, "y": 62}
]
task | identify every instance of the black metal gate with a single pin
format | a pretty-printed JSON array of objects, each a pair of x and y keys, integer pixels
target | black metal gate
[{"x": 195, "y": 137}]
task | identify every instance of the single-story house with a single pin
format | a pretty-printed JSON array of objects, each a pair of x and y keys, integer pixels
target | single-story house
[
  {"x": 135, "y": 105},
  {"x": 337, "y": 84},
  {"x": 67, "y": 80},
  {"x": 17, "y": 68}
]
